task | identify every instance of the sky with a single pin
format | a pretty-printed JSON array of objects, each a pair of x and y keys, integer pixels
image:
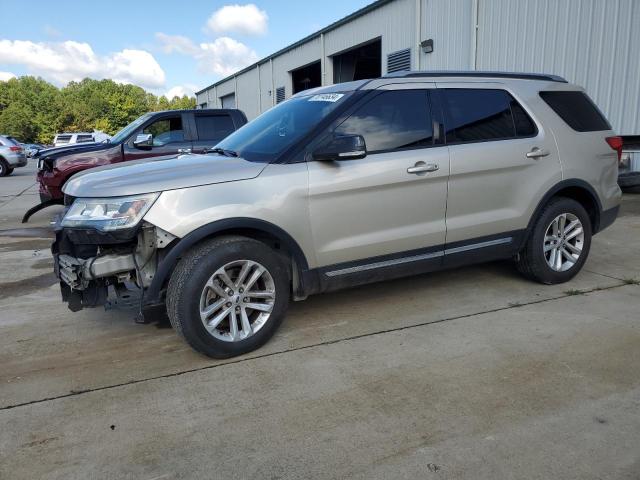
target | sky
[{"x": 166, "y": 47}]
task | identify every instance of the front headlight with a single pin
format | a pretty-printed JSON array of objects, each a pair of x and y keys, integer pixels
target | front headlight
[{"x": 108, "y": 214}]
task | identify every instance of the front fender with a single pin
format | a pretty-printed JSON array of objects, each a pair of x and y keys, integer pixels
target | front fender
[{"x": 229, "y": 225}]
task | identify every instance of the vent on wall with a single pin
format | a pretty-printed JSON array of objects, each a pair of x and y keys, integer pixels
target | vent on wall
[
  {"x": 399, "y": 61},
  {"x": 279, "y": 94}
]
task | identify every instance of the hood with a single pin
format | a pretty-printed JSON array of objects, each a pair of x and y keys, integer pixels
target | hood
[
  {"x": 56, "y": 152},
  {"x": 144, "y": 176}
]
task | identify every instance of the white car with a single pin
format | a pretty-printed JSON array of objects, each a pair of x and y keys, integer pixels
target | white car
[{"x": 62, "y": 139}]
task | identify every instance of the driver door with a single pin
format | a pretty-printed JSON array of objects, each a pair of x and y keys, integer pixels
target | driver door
[
  {"x": 381, "y": 205},
  {"x": 169, "y": 139}
]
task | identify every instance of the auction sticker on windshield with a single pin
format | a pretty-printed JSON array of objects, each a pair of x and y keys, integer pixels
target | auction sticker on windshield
[{"x": 327, "y": 97}]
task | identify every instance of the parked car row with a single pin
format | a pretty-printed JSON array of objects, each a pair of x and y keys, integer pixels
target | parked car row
[{"x": 335, "y": 187}]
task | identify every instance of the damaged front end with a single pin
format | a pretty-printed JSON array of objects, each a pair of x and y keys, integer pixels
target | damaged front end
[
  {"x": 105, "y": 254},
  {"x": 97, "y": 269}
]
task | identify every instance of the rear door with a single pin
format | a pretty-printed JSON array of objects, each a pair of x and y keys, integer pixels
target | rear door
[
  {"x": 393, "y": 201},
  {"x": 211, "y": 127},
  {"x": 170, "y": 138},
  {"x": 501, "y": 159}
]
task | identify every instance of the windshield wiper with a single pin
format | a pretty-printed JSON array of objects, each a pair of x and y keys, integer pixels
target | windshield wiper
[{"x": 222, "y": 151}]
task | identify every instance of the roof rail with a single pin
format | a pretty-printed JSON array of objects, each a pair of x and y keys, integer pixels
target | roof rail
[{"x": 477, "y": 74}]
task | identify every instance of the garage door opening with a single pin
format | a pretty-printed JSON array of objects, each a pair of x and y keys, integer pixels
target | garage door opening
[
  {"x": 228, "y": 101},
  {"x": 358, "y": 63},
  {"x": 306, "y": 77}
]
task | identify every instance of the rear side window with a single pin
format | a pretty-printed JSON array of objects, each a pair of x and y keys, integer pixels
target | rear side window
[
  {"x": 478, "y": 115},
  {"x": 577, "y": 110},
  {"x": 214, "y": 127},
  {"x": 63, "y": 138},
  {"x": 393, "y": 120}
]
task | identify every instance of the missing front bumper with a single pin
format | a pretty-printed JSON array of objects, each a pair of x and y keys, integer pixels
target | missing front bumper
[{"x": 97, "y": 269}]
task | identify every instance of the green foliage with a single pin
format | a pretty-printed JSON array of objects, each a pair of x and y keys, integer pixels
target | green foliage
[{"x": 33, "y": 110}]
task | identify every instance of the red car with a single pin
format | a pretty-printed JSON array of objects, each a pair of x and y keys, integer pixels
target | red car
[{"x": 157, "y": 135}]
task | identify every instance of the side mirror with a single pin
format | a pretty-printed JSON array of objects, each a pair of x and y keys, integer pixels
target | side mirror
[
  {"x": 143, "y": 140},
  {"x": 343, "y": 147}
]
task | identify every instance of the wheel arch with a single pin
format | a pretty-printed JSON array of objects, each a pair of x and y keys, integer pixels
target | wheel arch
[
  {"x": 578, "y": 190},
  {"x": 261, "y": 230}
]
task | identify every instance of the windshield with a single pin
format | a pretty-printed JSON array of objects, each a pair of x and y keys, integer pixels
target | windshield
[
  {"x": 269, "y": 135},
  {"x": 123, "y": 134}
]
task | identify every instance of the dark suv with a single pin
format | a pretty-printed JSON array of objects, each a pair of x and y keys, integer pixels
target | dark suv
[{"x": 157, "y": 135}]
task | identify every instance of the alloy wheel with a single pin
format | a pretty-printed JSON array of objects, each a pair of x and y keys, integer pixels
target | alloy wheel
[
  {"x": 237, "y": 300},
  {"x": 563, "y": 242}
]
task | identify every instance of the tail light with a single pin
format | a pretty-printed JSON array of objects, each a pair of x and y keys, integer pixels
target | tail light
[
  {"x": 15, "y": 148},
  {"x": 616, "y": 144}
]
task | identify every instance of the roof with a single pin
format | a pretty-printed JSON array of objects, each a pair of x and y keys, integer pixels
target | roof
[{"x": 333, "y": 26}]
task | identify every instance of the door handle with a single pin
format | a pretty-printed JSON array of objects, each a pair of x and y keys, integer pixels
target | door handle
[
  {"x": 184, "y": 151},
  {"x": 537, "y": 153},
  {"x": 422, "y": 168}
]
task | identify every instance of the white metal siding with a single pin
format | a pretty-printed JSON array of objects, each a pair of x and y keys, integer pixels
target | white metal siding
[
  {"x": 593, "y": 43},
  {"x": 299, "y": 56},
  {"x": 394, "y": 22},
  {"x": 248, "y": 93},
  {"x": 225, "y": 89},
  {"x": 449, "y": 24}
]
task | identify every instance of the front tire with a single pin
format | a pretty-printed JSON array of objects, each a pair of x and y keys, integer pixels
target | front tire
[
  {"x": 228, "y": 296},
  {"x": 558, "y": 244}
]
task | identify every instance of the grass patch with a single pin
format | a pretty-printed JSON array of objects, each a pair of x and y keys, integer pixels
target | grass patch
[
  {"x": 631, "y": 281},
  {"x": 574, "y": 292}
]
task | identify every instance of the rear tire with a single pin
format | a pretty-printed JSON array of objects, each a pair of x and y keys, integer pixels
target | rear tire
[
  {"x": 558, "y": 244},
  {"x": 5, "y": 169},
  {"x": 207, "y": 292}
]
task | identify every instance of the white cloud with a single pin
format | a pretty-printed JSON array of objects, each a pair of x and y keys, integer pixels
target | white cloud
[
  {"x": 177, "y": 44},
  {"x": 181, "y": 90},
  {"x": 244, "y": 19},
  {"x": 62, "y": 62},
  {"x": 4, "y": 76},
  {"x": 223, "y": 56}
]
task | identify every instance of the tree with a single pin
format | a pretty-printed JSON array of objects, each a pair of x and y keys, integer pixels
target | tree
[{"x": 32, "y": 109}]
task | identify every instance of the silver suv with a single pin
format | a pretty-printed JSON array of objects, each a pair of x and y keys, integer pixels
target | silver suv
[
  {"x": 340, "y": 186},
  {"x": 12, "y": 155}
]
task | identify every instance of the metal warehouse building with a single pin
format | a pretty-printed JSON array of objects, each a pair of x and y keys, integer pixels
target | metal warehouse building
[{"x": 594, "y": 43}]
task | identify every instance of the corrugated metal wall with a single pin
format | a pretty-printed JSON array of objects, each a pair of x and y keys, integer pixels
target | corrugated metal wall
[
  {"x": 449, "y": 24},
  {"x": 295, "y": 58},
  {"x": 594, "y": 43},
  {"x": 388, "y": 22}
]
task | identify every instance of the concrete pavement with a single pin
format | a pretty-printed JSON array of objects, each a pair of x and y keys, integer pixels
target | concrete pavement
[{"x": 470, "y": 373}]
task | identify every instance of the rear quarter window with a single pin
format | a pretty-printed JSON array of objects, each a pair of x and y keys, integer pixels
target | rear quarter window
[
  {"x": 577, "y": 110},
  {"x": 480, "y": 115},
  {"x": 214, "y": 127}
]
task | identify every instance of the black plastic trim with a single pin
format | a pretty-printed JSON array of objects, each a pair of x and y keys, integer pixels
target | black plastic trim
[
  {"x": 477, "y": 74},
  {"x": 412, "y": 262},
  {"x": 574, "y": 182},
  {"x": 168, "y": 263},
  {"x": 607, "y": 217}
]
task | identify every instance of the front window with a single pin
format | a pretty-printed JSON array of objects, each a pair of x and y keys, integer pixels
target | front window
[
  {"x": 393, "y": 120},
  {"x": 166, "y": 130},
  {"x": 127, "y": 131},
  {"x": 279, "y": 128}
]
